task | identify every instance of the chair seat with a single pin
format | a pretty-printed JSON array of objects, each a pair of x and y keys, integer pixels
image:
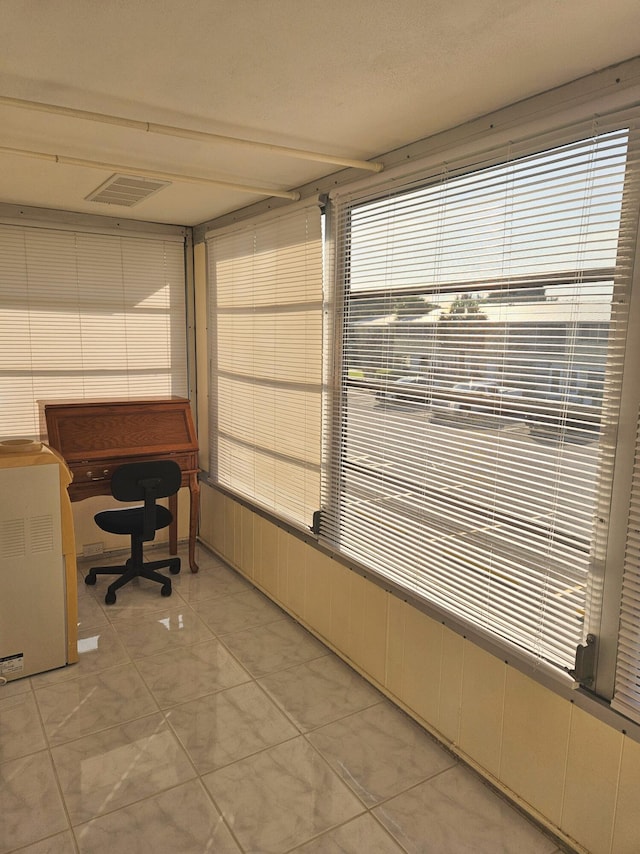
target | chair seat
[{"x": 130, "y": 520}]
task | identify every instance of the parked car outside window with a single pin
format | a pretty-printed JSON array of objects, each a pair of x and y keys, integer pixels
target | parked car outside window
[{"x": 410, "y": 389}]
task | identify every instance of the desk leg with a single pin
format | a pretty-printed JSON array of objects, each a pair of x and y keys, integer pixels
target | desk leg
[
  {"x": 173, "y": 527},
  {"x": 194, "y": 504}
]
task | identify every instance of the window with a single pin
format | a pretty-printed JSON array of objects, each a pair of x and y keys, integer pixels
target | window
[
  {"x": 87, "y": 315},
  {"x": 265, "y": 328},
  {"x": 473, "y": 430}
]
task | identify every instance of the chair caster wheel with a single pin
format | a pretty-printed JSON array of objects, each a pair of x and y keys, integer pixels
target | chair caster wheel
[
  {"x": 110, "y": 598},
  {"x": 166, "y": 590},
  {"x": 174, "y": 570},
  {"x": 90, "y": 579}
]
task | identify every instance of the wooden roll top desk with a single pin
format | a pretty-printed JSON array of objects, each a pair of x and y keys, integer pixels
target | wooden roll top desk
[{"x": 95, "y": 437}]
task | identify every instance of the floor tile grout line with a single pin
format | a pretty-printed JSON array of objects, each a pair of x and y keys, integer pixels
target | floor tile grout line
[
  {"x": 139, "y": 800},
  {"x": 123, "y": 723},
  {"x": 382, "y": 801},
  {"x": 244, "y": 628},
  {"x": 159, "y": 712},
  {"x": 49, "y": 747},
  {"x": 369, "y": 812},
  {"x": 289, "y": 716},
  {"x": 22, "y": 848},
  {"x": 220, "y": 812},
  {"x": 257, "y": 676},
  {"x": 300, "y": 733},
  {"x": 196, "y": 779},
  {"x": 50, "y": 755},
  {"x": 199, "y": 776},
  {"x": 253, "y": 680},
  {"x": 455, "y": 759},
  {"x": 59, "y": 787}
]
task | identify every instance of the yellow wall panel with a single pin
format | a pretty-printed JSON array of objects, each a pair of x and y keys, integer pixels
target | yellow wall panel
[
  {"x": 626, "y": 831},
  {"x": 230, "y": 528},
  {"x": 535, "y": 743},
  {"x": 338, "y": 578},
  {"x": 368, "y": 620},
  {"x": 266, "y": 555},
  {"x": 483, "y": 685},
  {"x": 246, "y": 548},
  {"x": 212, "y": 527},
  {"x": 317, "y": 603},
  {"x": 292, "y": 573},
  {"x": 396, "y": 630},
  {"x": 450, "y": 698},
  {"x": 423, "y": 663},
  {"x": 593, "y": 768}
]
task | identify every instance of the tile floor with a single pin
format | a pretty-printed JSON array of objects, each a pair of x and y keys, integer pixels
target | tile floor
[{"x": 212, "y": 722}]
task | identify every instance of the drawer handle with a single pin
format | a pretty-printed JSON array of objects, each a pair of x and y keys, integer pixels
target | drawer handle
[{"x": 100, "y": 477}]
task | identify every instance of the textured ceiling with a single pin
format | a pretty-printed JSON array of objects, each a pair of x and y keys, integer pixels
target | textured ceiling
[{"x": 353, "y": 78}]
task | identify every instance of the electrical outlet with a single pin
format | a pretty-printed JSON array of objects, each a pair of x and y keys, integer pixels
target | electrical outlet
[{"x": 89, "y": 549}]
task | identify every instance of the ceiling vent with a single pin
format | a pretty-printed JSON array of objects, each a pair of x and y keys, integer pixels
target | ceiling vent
[{"x": 126, "y": 190}]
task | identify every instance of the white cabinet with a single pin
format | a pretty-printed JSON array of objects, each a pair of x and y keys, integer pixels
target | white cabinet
[{"x": 34, "y": 630}]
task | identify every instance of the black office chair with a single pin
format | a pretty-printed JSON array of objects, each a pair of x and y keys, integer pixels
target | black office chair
[{"x": 145, "y": 481}]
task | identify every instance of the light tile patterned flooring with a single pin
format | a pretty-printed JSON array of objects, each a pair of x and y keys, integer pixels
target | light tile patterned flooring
[{"x": 211, "y": 721}]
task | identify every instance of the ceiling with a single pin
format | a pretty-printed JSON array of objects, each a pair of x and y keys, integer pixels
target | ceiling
[{"x": 347, "y": 78}]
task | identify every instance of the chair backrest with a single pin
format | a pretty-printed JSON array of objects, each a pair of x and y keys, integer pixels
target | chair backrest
[
  {"x": 146, "y": 482},
  {"x": 140, "y": 481}
]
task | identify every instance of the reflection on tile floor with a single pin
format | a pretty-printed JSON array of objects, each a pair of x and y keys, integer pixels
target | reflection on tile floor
[{"x": 212, "y": 722}]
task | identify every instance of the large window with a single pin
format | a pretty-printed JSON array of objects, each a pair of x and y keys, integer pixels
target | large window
[
  {"x": 87, "y": 315},
  {"x": 265, "y": 332},
  {"x": 473, "y": 428}
]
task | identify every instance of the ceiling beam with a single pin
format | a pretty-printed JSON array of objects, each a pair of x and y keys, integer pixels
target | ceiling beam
[
  {"x": 149, "y": 173},
  {"x": 187, "y": 133}
]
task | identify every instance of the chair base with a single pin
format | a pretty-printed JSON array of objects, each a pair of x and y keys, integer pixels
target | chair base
[{"x": 131, "y": 570}]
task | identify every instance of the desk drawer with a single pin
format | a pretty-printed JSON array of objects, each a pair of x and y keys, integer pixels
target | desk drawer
[
  {"x": 92, "y": 472},
  {"x": 102, "y": 470}
]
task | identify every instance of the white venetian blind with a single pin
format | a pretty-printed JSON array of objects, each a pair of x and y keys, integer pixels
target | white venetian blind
[
  {"x": 87, "y": 315},
  {"x": 627, "y": 685},
  {"x": 265, "y": 297},
  {"x": 482, "y": 343}
]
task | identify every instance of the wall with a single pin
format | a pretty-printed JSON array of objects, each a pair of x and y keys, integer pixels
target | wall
[{"x": 576, "y": 774}]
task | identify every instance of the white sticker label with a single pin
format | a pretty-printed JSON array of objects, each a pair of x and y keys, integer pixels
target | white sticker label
[{"x": 12, "y": 664}]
